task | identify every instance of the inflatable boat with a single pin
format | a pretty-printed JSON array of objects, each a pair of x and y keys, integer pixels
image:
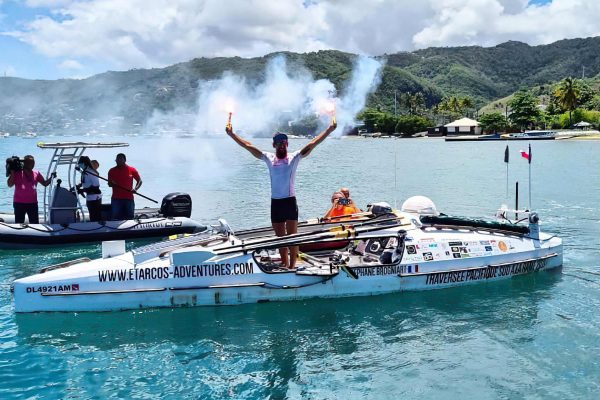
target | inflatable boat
[
  {"x": 65, "y": 221},
  {"x": 384, "y": 252}
]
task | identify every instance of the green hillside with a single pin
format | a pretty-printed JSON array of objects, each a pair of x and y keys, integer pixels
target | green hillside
[{"x": 484, "y": 74}]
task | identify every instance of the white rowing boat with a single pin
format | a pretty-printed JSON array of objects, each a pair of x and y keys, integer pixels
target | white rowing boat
[{"x": 382, "y": 253}]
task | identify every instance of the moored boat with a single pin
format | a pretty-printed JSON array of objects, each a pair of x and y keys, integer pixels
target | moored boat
[
  {"x": 386, "y": 251},
  {"x": 530, "y": 135},
  {"x": 65, "y": 222}
]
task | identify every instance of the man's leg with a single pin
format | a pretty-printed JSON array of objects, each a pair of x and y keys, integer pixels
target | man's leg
[
  {"x": 116, "y": 209},
  {"x": 279, "y": 228},
  {"x": 130, "y": 209},
  {"x": 291, "y": 227},
  {"x": 32, "y": 213},
  {"x": 19, "y": 213}
]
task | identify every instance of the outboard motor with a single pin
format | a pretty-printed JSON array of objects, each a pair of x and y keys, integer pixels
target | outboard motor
[{"x": 176, "y": 205}]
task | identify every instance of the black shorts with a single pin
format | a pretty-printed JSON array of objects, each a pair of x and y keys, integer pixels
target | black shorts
[{"x": 284, "y": 210}]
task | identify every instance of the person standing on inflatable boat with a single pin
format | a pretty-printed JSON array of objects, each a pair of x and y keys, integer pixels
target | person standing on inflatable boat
[{"x": 282, "y": 169}]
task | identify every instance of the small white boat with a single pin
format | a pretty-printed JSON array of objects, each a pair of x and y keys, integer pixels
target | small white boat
[
  {"x": 384, "y": 252},
  {"x": 530, "y": 135},
  {"x": 65, "y": 222}
]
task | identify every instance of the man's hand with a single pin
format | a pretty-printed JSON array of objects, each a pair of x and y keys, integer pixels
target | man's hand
[
  {"x": 228, "y": 129},
  {"x": 332, "y": 126},
  {"x": 53, "y": 175}
]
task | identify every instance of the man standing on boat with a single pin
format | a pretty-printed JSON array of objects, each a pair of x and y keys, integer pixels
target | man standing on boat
[
  {"x": 282, "y": 169},
  {"x": 25, "y": 198},
  {"x": 120, "y": 178}
]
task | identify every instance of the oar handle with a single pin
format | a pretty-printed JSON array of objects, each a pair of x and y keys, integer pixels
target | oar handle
[{"x": 118, "y": 186}]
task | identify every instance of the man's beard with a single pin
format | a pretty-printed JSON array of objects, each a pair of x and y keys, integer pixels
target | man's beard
[{"x": 281, "y": 153}]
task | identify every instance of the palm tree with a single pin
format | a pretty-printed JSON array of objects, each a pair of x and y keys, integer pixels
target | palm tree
[
  {"x": 567, "y": 95},
  {"x": 414, "y": 102},
  {"x": 465, "y": 104}
]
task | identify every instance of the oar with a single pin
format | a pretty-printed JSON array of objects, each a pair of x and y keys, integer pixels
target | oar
[
  {"x": 114, "y": 184},
  {"x": 305, "y": 236},
  {"x": 323, "y": 238},
  {"x": 337, "y": 228},
  {"x": 313, "y": 222},
  {"x": 293, "y": 240}
]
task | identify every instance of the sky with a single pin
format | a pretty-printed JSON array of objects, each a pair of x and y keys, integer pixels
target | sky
[{"x": 53, "y": 39}]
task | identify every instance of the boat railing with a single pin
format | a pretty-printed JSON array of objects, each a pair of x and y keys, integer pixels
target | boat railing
[
  {"x": 67, "y": 154},
  {"x": 146, "y": 252},
  {"x": 64, "y": 264}
]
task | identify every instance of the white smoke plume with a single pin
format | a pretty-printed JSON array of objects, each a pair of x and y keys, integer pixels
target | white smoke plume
[{"x": 284, "y": 96}]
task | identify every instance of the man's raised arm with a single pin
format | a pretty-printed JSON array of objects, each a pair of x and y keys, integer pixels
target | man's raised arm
[
  {"x": 244, "y": 143},
  {"x": 318, "y": 139}
]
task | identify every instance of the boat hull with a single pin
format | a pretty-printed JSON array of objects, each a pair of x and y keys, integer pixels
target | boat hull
[
  {"x": 18, "y": 236},
  {"x": 184, "y": 278}
]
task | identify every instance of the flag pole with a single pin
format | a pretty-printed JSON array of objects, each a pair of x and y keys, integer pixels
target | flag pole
[
  {"x": 529, "y": 176},
  {"x": 506, "y": 162}
]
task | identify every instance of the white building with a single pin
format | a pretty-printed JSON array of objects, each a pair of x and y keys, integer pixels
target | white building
[{"x": 463, "y": 126}]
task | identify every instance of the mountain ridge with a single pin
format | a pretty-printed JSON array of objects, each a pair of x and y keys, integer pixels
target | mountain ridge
[{"x": 483, "y": 73}]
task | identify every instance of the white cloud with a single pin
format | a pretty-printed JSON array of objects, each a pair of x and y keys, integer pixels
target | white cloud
[
  {"x": 70, "y": 64},
  {"x": 489, "y": 22},
  {"x": 141, "y": 33},
  {"x": 47, "y": 3}
]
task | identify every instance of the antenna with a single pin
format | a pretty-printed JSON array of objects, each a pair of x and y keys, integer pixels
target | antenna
[{"x": 395, "y": 172}]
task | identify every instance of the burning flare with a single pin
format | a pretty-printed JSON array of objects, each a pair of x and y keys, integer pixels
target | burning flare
[{"x": 228, "y": 125}]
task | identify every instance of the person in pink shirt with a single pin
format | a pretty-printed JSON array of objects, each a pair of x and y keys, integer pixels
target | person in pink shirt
[{"x": 25, "y": 198}]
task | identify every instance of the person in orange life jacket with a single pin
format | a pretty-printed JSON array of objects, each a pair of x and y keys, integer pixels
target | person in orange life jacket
[
  {"x": 25, "y": 198},
  {"x": 346, "y": 192},
  {"x": 282, "y": 169},
  {"x": 121, "y": 178},
  {"x": 340, "y": 206}
]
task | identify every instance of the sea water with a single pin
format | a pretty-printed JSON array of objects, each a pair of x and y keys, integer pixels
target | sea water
[{"x": 534, "y": 336}]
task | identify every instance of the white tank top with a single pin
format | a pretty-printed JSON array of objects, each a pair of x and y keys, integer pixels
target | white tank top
[{"x": 283, "y": 173}]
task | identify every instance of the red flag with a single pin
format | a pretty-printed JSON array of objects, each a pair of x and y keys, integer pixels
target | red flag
[{"x": 525, "y": 155}]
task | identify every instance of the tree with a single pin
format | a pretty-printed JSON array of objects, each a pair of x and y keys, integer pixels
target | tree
[
  {"x": 454, "y": 107},
  {"x": 372, "y": 118},
  {"x": 591, "y": 116},
  {"x": 408, "y": 125},
  {"x": 523, "y": 109},
  {"x": 567, "y": 94},
  {"x": 493, "y": 122},
  {"x": 466, "y": 103},
  {"x": 387, "y": 124},
  {"x": 415, "y": 103}
]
